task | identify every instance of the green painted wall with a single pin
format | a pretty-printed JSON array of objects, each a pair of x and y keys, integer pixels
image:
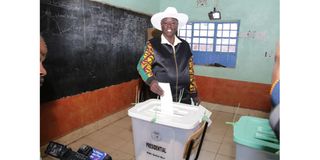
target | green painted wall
[
  {"x": 259, "y": 32},
  {"x": 260, "y": 17},
  {"x": 148, "y": 7}
]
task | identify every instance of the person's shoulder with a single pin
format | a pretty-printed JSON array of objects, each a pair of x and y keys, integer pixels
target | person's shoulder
[{"x": 155, "y": 40}]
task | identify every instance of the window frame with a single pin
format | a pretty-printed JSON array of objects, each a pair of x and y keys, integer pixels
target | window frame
[{"x": 214, "y": 57}]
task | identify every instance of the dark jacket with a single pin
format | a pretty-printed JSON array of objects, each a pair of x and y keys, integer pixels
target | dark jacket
[{"x": 168, "y": 66}]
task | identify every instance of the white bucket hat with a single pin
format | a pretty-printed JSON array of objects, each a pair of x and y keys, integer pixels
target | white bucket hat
[{"x": 169, "y": 12}]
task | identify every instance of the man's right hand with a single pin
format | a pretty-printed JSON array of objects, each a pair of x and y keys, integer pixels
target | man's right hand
[{"x": 155, "y": 88}]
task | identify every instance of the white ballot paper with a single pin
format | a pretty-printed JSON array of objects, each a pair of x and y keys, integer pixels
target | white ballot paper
[{"x": 166, "y": 99}]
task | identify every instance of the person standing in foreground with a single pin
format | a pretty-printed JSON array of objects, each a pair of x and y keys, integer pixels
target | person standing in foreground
[
  {"x": 274, "y": 116},
  {"x": 168, "y": 59},
  {"x": 275, "y": 87},
  {"x": 43, "y": 53}
]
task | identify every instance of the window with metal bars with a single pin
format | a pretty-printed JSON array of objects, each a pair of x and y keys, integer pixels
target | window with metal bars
[{"x": 212, "y": 43}]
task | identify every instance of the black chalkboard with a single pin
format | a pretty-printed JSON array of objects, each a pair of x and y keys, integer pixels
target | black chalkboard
[{"x": 90, "y": 45}]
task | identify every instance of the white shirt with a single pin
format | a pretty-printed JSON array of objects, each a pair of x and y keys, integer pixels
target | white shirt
[{"x": 165, "y": 41}]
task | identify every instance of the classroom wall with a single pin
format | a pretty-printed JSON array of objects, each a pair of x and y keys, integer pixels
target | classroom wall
[
  {"x": 90, "y": 46},
  {"x": 142, "y": 6},
  {"x": 62, "y": 116},
  {"x": 249, "y": 82},
  {"x": 259, "y": 33},
  {"x": 233, "y": 93},
  {"x": 93, "y": 49}
]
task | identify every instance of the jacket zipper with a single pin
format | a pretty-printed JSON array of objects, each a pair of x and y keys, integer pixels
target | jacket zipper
[{"x": 175, "y": 61}]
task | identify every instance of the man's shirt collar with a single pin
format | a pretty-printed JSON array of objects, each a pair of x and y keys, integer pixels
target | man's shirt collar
[{"x": 165, "y": 41}]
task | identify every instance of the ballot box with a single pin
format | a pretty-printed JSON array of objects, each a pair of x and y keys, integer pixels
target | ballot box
[
  {"x": 255, "y": 140},
  {"x": 161, "y": 135}
]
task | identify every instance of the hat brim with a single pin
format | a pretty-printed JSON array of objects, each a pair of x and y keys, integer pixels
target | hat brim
[{"x": 156, "y": 19}]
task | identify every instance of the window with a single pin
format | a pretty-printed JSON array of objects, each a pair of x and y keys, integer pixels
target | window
[{"x": 212, "y": 43}]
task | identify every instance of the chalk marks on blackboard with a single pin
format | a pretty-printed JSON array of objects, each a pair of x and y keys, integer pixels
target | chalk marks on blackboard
[
  {"x": 91, "y": 45},
  {"x": 69, "y": 5},
  {"x": 68, "y": 24}
]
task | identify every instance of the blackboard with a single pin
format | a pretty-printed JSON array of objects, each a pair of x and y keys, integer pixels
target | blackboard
[{"x": 90, "y": 46}]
